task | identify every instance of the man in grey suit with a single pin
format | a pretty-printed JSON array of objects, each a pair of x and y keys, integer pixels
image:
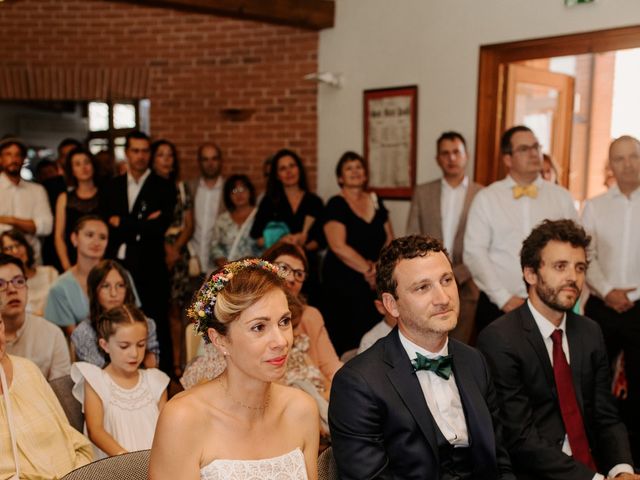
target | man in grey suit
[{"x": 439, "y": 209}]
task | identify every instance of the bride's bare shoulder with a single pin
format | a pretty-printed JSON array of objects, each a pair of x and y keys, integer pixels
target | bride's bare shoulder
[
  {"x": 188, "y": 408},
  {"x": 296, "y": 404}
]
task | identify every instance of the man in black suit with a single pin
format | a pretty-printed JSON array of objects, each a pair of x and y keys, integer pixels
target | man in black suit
[
  {"x": 417, "y": 405},
  {"x": 139, "y": 207},
  {"x": 551, "y": 370}
]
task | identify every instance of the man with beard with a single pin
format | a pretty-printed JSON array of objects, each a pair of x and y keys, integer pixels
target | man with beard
[
  {"x": 417, "y": 404},
  {"x": 551, "y": 371},
  {"x": 23, "y": 205},
  {"x": 207, "y": 194}
]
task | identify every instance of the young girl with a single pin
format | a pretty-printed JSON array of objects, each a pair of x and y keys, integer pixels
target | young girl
[
  {"x": 121, "y": 402},
  {"x": 109, "y": 285}
]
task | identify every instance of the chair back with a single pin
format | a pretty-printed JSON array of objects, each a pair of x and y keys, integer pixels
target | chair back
[
  {"x": 128, "y": 466},
  {"x": 72, "y": 408},
  {"x": 327, "y": 468}
]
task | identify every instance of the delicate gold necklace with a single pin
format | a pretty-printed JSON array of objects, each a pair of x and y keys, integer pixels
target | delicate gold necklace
[{"x": 244, "y": 405}]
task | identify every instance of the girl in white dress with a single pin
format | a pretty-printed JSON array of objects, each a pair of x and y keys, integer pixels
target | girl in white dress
[
  {"x": 121, "y": 402},
  {"x": 241, "y": 425}
]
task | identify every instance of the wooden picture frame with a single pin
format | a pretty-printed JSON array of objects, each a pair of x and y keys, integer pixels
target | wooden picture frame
[{"x": 390, "y": 126}]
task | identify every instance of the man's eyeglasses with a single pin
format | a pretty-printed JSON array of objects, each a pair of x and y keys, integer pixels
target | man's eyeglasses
[
  {"x": 18, "y": 282},
  {"x": 525, "y": 149},
  {"x": 298, "y": 275}
]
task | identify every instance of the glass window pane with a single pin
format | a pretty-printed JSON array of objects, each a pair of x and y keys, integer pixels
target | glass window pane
[
  {"x": 98, "y": 116},
  {"x": 124, "y": 116},
  {"x": 96, "y": 145},
  {"x": 118, "y": 149}
]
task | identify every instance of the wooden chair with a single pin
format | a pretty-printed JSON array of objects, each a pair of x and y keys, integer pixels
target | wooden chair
[
  {"x": 128, "y": 466},
  {"x": 72, "y": 408}
]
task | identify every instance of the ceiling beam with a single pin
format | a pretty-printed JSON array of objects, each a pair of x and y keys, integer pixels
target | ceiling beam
[{"x": 307, "y": 14}]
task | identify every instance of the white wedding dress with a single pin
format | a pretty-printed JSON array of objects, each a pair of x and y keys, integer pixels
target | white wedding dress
[{"x": 289, "y": 466}]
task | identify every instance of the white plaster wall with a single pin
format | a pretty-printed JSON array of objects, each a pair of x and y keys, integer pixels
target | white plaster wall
[{"x": 433, "y": 44}]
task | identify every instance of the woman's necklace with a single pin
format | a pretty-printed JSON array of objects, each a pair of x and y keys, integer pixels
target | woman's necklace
[{"x": 244, "y": 405}]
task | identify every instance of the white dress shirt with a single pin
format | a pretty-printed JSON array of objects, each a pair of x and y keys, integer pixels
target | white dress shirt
[
  {"x": 133, "y": 190},
  {"x": 497, "y": 224},
  {"x": 546, "y": 329},
  {"x": 613, "y": 221},
  {"x": 442, "y": 396},
  {"x": 26, "y": 200},
  {"x": 206, "y": 208},
  {"x": 380, "y": 330},
  {"x": 134, "y": 187},
  {"x": 451, "y": 204}
]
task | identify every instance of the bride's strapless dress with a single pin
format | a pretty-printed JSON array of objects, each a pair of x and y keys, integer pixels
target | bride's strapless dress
[{"x": 289, "y": 466}]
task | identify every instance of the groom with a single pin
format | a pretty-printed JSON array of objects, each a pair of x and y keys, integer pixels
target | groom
[{"x": 417, "y": 404}]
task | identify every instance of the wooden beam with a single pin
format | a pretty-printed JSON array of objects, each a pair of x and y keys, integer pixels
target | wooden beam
[{"x": 307, "y": 14}]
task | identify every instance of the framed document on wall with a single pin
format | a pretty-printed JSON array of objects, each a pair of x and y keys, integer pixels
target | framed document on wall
[{"x": 390, "y": 122}]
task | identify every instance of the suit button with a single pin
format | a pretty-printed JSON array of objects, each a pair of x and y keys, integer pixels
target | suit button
[{"x": 138, "y": 238}]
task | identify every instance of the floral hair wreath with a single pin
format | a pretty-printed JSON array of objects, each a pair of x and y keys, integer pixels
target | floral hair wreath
[{"x": 208, "y": 294}]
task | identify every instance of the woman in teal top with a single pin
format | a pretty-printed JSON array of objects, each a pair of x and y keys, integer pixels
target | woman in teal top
[{"x": 68, "y": 302}]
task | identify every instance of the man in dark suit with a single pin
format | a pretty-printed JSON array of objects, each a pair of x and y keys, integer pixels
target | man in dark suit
[
  {"x": 439, "y": 208},
  {"x": 551, "y": 370},
  {"x": 139, "y": 207},
  {"x": 417, "y": 405}
]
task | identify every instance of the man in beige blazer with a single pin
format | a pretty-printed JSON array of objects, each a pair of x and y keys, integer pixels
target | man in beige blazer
[{"x": 439, "y": 208}]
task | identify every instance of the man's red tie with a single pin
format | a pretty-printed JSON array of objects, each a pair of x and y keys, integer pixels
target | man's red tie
[{"x": 571, "y": 415}]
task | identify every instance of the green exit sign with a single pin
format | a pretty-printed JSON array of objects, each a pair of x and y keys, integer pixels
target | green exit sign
[{"x": 571, "y": 3}]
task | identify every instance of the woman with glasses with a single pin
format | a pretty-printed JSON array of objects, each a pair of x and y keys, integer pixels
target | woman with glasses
[
  {"x": 109, "y": 286},
  {"x": 230, "y": 238},
  {"x": 292, "y": 260},
  {"x": 40, "y": 278},
  {"x": 357, "y": 226}
]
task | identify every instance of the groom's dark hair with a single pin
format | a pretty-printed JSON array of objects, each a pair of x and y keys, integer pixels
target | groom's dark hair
[{"x": 408, "y": 247}]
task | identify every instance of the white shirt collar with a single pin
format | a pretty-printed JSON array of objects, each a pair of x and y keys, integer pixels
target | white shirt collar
[
  {"x": 411, "y": 348},
  {"x": 217, "y": 185},
  {"x": 510, "y": 182},
  {"x": 464, "y": 184},
  {"x": 5, "y": 182},
  {"x": 545, "y": 326},
  {"x": 615, "y": 192},
  {"x": 142, "y": 179}
]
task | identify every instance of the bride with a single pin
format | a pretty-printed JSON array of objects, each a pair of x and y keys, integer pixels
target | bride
[{"x": 241, "y": 425}]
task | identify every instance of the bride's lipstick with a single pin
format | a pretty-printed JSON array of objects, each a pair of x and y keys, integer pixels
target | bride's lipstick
[{"x": 278, "y": 361}]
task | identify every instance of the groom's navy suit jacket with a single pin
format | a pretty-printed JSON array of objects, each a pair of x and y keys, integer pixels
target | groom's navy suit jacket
[{"x": 381, "y": 426}]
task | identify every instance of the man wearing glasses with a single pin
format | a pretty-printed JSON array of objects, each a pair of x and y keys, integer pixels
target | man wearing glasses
[
  {"x": 502, "y": 216},
  {"x": 28, "y": 335}
]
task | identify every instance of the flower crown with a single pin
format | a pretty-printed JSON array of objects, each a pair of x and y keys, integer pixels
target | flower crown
[{"x": 208, "y": 294}]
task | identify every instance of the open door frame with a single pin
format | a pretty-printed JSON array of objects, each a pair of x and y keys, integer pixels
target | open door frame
[{"x": 492, "y": 90}]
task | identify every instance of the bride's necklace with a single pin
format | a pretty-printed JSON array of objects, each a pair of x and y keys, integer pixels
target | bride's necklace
[{"x": 254, "y": 408}]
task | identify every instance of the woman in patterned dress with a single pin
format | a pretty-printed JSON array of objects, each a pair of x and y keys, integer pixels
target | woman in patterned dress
[{"x": 164, "y": 162}]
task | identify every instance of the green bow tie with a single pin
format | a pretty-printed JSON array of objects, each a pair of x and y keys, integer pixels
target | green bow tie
[{"x": 441, "y": 366}]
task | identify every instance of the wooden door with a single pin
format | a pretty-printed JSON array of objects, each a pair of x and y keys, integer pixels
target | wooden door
[{"x": 543, "y": 101}]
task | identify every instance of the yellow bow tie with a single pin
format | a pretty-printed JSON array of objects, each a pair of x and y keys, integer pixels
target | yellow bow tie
[{"x": 521, "y": 191}]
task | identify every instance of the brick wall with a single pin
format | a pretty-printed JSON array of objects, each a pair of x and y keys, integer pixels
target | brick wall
[{"x": 198, "y": 65}]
